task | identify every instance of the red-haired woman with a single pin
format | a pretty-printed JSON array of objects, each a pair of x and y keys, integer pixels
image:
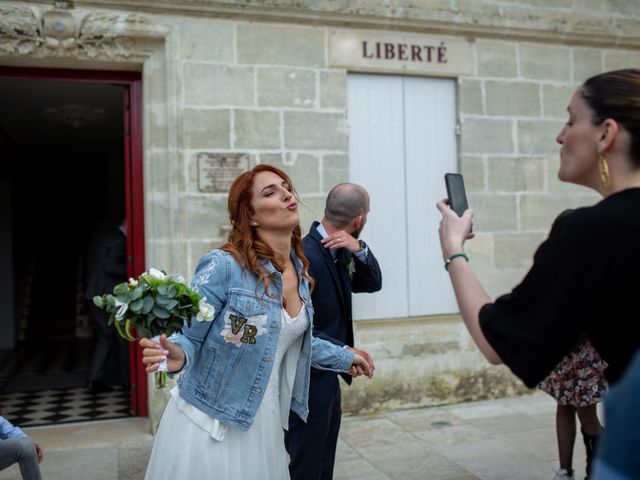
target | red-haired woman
[{"x": 244, "y": 371}]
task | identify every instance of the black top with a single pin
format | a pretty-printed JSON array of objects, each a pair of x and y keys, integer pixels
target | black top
[{"x": 585, "y": 278}]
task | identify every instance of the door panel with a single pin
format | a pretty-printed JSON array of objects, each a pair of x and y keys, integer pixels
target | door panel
[{"x": 401, "y": 142}]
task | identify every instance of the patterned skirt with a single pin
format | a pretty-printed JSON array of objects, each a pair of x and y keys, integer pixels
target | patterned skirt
[{"x": 578, "y": 379}]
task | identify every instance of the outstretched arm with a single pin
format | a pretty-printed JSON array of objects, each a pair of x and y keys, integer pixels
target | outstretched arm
[{"x": 470, "y": 294}]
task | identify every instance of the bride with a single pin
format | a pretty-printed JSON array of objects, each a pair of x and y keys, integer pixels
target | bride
[{"x": 243, "y": 372}]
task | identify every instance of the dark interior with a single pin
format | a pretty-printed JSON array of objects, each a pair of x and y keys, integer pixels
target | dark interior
[{"x": 62, "y": 178}]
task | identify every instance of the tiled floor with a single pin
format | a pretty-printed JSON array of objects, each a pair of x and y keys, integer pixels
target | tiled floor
[
  {"x": 54, "y": 406},
  {"x": 507, "y": 439}
]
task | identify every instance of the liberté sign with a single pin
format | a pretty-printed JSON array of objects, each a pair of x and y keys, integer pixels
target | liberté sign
[{"x": 400, "y": 53}]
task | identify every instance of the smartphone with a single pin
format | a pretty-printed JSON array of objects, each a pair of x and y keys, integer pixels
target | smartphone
[{"x": 456, "y": 192}]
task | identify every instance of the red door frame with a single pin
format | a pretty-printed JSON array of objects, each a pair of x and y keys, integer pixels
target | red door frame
[{"x": 132, "y": 83}]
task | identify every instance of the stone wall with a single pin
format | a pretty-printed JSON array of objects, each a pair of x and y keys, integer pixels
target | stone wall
[{"x": 253, "y": 77}]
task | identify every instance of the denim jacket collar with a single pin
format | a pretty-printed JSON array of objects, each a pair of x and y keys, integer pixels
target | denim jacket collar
[{"x": 270, "y": 269}]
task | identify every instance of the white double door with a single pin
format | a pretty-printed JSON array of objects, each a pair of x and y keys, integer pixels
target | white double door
[{"x": 402, "y": 140}]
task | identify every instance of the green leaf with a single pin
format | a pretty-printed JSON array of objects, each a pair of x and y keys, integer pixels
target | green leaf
[
  {"x": 168, "y": 303},
  {"x": 160, "y": 312},
  {"x": 98, "y": 301},
  {"x": 136, "y": 293},
  {"x": 147, "y": 304},
  {"x": 121, "y": 289},
  {"x": 136, "y": 306},
  {"x": 167, "y": 290}
]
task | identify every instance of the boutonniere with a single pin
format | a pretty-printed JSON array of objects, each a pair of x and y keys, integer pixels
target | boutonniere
[{"x": 351, "y": 267}]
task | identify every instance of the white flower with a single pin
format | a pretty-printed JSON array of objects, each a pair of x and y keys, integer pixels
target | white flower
[
  {"x": 122, "y": 309},
  {"x": 206, "y": 312},
  {"x": 179, "y": 279},
  {"x": 133, "y": 282},
  {"x": 155, "y": 273}
]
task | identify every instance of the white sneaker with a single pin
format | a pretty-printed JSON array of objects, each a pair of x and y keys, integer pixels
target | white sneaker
[{"x": 562, "y": 474}]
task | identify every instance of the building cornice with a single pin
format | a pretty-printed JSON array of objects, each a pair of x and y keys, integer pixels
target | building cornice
[{"x": 499, "y": 21}]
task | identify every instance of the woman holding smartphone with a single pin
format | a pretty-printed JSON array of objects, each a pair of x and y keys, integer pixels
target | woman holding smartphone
[{"x": 585, "y": 276}]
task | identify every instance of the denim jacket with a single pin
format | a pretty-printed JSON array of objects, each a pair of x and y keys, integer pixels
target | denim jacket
[{"x": 229, "y": 360}]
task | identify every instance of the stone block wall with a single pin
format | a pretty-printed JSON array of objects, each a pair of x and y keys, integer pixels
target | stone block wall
[
  {"x": 264, "y": 90},
  {"x": 511, "y": 110},
  {"x": 254, "y": 77}
]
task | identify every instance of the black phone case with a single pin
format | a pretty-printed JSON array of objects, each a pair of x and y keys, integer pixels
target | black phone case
[{"x": 456, "y": 192}]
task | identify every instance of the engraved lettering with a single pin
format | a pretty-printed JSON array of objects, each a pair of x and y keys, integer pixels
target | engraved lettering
[
  {"x": 416, "y": 53},
  {"x": 365, "y": 53},
  {"x": 389, "y": 51},
  {"x": 402, "y": 47},
  {"x": 429, "y": 49},
  {"x": 442, "y": 51}
]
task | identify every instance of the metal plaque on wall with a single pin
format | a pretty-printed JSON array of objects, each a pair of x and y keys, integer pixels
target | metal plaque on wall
[{"x": 216, "y": 171}]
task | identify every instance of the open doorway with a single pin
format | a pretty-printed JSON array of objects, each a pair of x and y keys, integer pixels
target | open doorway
[{"x": 63, "y": 178}]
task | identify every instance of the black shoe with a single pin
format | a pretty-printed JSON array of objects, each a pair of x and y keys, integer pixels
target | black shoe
[
  {"x": 98, "y": 386},
  {"x": 590, "y": 445}
]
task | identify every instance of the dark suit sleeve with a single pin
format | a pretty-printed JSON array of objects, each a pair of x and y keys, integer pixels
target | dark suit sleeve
[
  {"x": 115, "y": 257},
  {"x": 315, "y": 300},
  {"x": 367, "y": 277}
]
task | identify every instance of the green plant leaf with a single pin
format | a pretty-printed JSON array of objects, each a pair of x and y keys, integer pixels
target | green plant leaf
[
  {"x": 136, "y": 306},
  {"x": 136, "y": 293},
  {"x": 168, "y": 291},
  {"x": 160, "y": 312},
  {"x": 121, "y": 288},
  {"x": 98, "y": 301},
  {"x": 147, "y": 304},
  {"x": 168, "y": 303}
]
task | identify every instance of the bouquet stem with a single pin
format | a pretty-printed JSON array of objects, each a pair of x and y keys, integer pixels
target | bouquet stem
[
  {"x": 161, "y": 379},
  {"x": 161, "y": 374}
]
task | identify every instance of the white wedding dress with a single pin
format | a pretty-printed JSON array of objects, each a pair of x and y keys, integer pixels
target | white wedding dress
[{"x": 191, "y": 445}]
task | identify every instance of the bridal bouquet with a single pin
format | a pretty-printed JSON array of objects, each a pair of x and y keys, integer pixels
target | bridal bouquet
[{"x": 154, "y": 304}]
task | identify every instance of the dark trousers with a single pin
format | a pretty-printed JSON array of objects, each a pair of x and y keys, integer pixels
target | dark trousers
[
  {"x": 108, "y": 338},
  {"x": 312, "y": 445}
]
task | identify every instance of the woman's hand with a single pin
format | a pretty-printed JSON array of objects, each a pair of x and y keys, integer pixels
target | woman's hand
[
  {"x": 153, "y": 354},
  {"x": 454, "y": 230},
  {"x": 362, "y": 363}
]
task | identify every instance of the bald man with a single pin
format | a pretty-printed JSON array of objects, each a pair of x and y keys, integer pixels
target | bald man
[{"x": 340, "y": 263}]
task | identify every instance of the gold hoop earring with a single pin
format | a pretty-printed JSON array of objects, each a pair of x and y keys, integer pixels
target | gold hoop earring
[{"x": 604, "y": 171}]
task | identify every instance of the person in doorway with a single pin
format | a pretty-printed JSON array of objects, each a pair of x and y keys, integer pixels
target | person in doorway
[
  {"x": 107, "y": 266},
  {"x": 340, "y": 263},
  {"x": 584, "y": 277},
  {"x": 17, "y": 447},
  {"x": 244, "y": 371}
]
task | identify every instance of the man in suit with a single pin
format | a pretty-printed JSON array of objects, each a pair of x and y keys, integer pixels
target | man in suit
[
  {"x": 107, "y": 266},
  {"x": 340, "y": 264}
]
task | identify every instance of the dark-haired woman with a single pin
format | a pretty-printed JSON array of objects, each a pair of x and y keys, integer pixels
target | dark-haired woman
[
  {"x": 244, "y": 371},
  {"x": 585, "y": 276}
]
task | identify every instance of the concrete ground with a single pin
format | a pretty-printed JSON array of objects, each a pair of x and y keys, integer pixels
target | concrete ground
[{"x": 510, "y": 438}]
